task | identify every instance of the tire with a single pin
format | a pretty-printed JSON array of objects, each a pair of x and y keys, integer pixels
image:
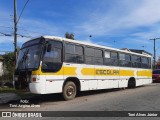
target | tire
[
  {"x": 69, "y": 90},
  {"x": 131, "y": 83}
]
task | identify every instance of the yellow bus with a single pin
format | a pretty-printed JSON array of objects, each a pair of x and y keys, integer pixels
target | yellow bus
[{"x": 51, "y": 64}]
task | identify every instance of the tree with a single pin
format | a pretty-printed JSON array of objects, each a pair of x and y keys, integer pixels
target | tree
[
  {"x": 8, "y": 64},
  {"x": 69, "y": 35}
]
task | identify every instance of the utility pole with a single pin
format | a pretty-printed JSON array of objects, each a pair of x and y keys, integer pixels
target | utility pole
[
  {"x": 15, "y": 30},
  {"x": 154, "y": 57}
]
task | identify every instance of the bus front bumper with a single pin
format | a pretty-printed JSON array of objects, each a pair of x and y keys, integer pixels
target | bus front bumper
[{"x": 37, "y": 88}]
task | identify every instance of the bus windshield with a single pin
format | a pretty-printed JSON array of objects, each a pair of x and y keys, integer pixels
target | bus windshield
[{"x": 29, "y": 57}]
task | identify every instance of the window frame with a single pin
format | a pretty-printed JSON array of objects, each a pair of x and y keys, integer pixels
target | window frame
[
  {"x": 73, "y": 53},
  {"x": 45, "y": 50}
]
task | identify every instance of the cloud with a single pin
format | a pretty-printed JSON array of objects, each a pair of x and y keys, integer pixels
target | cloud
[
  {"x": 30, "y": 28},
  {"x": 122, "y": 18},
  {"x": 126, "y": 21}
]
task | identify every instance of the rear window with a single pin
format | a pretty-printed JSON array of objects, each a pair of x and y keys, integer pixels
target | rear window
[{"x": 156, "y": 72}]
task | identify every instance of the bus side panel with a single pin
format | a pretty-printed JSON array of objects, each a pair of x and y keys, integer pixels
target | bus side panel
[
  {"x": 53, "y": 84},
  {"x": 54, "y": 81},
  {"x": 86, "y": 74},
  {"x": 107, "y": 76},
  {"x": 144, "y": 76},
  {"x": 125, "y": 75},
  {"x": 112, "y": 77},
  {"x": 101, "y": 77}
]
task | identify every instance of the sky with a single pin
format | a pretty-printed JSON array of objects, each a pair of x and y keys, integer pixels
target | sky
[{"x": 114, "y": 23}]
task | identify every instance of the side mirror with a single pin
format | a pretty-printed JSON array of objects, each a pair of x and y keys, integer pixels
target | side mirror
[{"x": 49, "y": 47}]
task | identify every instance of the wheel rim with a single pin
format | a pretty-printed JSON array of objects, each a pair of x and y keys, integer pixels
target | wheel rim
[{"x": 70, "y": 91}]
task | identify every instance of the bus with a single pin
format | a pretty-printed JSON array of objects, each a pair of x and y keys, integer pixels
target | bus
[{"x": 51, "y": 64}]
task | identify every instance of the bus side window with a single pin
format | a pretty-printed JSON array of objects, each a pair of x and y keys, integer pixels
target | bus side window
[
  {"x": 98, "y": 57},
  {"x": 124, "y": 60},
  {"x": 69, "y": 53},
  {"x": 136, "y": 61},
  {"x": 114, "y": 59},
  {"x": 145, "y": 62},
  {"x": 107, "y": 58},
  {"x": 150, "y": 66},
  {"x": 89, "y": 55},
  {"x": 74, "y": 53}
]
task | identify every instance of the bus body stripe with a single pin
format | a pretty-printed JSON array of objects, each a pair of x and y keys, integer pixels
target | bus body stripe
[
  {"x": 147, "y": 73},
  {"x": 71, "y": 71}
]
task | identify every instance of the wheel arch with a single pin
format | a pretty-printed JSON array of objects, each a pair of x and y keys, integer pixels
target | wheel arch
[
  {"x": 75, "y": 80},
  {"x": 132, "y": 82}
]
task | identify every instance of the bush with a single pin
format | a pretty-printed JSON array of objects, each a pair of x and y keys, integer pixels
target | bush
[
  {"x": 1, "y": 84},
  {"x": 8, "y": 84}
]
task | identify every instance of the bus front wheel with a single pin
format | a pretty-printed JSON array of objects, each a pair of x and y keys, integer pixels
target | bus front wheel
[{"x": 69, "y": 90}]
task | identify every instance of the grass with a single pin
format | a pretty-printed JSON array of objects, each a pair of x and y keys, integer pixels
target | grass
[
  {"x": 6, "y": 90},
  {"x": 21, "y": 93}
]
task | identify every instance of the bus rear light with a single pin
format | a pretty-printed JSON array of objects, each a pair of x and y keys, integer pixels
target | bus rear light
[{"x": 34, "y": 79}]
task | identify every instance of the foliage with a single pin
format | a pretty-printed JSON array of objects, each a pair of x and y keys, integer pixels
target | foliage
[
  {"x": 69, "y": 35},
  {"x": 8, "y": 64}
]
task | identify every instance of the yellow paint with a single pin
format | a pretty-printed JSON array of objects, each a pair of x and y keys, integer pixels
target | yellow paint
[
  {"x": 91, "y": 71},
  {"x": 39, "y": 72},
  {"x": 70, "y": 71},
  {"x": 147, "y": 73},
  {"x": 107, "y": 72},
  {"x": 87, "y": 71},
  {"x": 65, "y": 70},
  {"x": 126, "y": 72}
]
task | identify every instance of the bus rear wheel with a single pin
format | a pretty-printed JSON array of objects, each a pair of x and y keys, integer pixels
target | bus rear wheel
[
  {"x": 69, "y": 90},
  {"x": 131, "y": 83}
]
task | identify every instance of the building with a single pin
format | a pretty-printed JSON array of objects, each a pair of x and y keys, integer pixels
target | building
[
  {"x": 138, "y": 51},
  {"x": 1, "y": 65}
]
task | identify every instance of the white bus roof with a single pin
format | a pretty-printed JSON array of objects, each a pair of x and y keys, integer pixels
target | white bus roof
[{"x": 93, "y": 45}]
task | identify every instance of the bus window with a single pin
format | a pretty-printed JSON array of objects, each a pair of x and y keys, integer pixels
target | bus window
[
  {"x": 89, "y": 56},
  {"x": 114, "y": 59},
  {"x": 98, "y": 57},
  {"x": 52, "y": 60},
  {"x": 127, "y": 57},
  {"x": 74, "y": 53},
  {"x": 114, "y": 55},
  {"x": 107, "y": 54},
  {"x": 79, "y": 54},
  {"x": 124, "y": 60},
  {"x": 145, "y": 62},
  {"x": 136, "y": 61}
]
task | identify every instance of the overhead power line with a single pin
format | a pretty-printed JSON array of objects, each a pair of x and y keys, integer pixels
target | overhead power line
[
  {"x": 25, "y": 36},
  {"x": 22, "y": 11},
  {"x": 6, "y": 34},
  {"x": 28, "y": 31},
  {"x": 6, "y": 27},
  {"x": 10, "y": 35},
  {"x": 15, "y": 25}
]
